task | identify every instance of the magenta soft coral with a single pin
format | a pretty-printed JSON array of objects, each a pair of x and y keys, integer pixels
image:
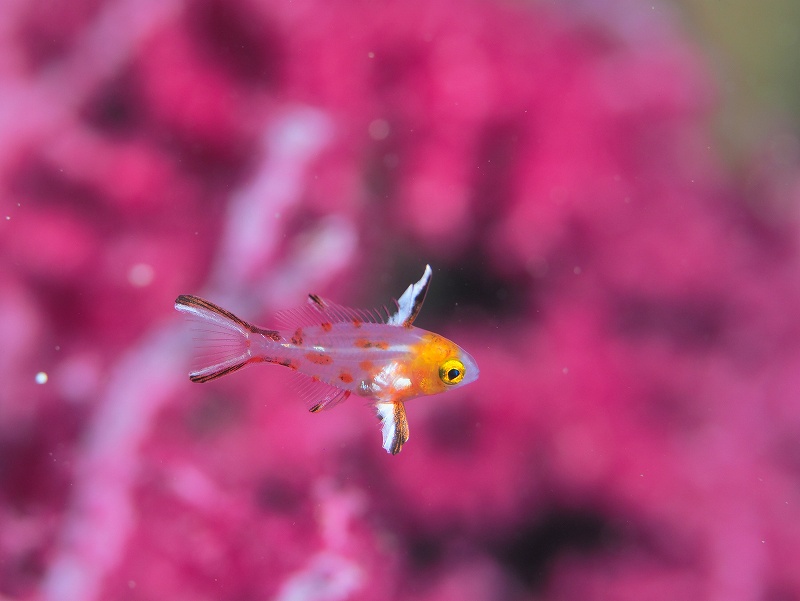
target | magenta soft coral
[{"x": 632, "y": 433}]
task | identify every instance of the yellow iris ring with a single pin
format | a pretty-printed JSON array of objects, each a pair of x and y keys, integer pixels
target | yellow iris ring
[{"x": 451, "y": 371}]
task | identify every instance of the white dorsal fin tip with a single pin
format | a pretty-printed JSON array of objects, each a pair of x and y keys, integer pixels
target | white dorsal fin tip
[{"x": 410, "y": 303}]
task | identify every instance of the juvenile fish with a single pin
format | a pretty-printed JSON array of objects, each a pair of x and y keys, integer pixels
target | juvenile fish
[{"x": 340, "y": 351}]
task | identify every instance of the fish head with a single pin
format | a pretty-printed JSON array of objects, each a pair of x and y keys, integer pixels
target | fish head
[{"x": 440, "y": 365}]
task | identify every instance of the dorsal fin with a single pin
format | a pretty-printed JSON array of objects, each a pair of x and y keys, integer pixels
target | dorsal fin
[
  {"x": 318, "y": 309},
  {"x": 410, "y": 304}
]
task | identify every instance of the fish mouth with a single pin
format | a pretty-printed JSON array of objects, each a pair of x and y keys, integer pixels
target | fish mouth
[{"x": 471, "y": 370}]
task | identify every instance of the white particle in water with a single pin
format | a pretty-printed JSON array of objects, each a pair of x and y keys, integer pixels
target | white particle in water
[
  {"x": 141, "y": 275},
  {"x": 379, "y": 129},
  {"x": 41, "y": 378}
]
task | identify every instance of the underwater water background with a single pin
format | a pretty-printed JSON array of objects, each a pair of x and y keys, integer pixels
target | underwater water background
[{"x": 607, "y": 191}]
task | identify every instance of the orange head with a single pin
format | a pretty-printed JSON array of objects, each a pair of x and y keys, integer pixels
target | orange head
[{"x": 437, "y": 365}]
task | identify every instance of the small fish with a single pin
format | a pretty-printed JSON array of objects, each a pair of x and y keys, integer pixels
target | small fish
[{"x": 339, "y": 351}]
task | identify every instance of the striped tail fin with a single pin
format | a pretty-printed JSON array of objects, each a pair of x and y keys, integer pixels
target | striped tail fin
[{"x": 223, "y": 341}]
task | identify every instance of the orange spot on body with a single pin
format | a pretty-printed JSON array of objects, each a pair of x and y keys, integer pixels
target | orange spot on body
[
  {"x": 327, "y": 326},
  {"x": 297, "y": 339},
  {"x": 290, "y": 363},
  {"x": 367, "y": 366},
  {"x": 364, "y": 343},
  {"x": 319, "y": 358},
  {"x": 357, "y": 322},
  {"x": 345, "y": 377}
]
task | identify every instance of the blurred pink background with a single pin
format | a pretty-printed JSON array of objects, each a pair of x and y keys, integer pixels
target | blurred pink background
[{"x": 630, "y": 298}]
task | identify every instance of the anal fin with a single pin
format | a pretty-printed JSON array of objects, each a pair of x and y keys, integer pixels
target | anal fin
[
  {"x": 332, "y": 399},
  {"x": 319, "y": 395},
  {"x": 394, "y": 425}
]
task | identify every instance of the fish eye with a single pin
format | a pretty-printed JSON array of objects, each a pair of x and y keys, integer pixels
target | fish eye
[{"x": 451, "y": 371}]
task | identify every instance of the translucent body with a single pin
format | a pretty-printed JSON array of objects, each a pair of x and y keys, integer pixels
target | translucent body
[{"x": 375, "y": 361}]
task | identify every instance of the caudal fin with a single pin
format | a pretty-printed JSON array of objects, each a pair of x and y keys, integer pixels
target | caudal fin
[{"x": 222, "y": 340}]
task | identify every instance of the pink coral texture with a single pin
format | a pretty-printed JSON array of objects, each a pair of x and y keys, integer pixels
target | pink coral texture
[{"x": 631, "y": 302}]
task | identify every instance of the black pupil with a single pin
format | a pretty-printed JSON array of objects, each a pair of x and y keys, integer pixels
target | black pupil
[{"x": 453, "y": 374}]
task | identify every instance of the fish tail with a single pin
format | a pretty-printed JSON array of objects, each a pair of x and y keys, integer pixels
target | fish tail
[{"x": 223, "y": 341}]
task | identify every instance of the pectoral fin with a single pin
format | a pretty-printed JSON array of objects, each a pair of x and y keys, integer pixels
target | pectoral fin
[{"x": 394, "y": 425}]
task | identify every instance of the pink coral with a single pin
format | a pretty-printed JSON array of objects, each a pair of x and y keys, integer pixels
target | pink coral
[{"x": 633, "y": 433}]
